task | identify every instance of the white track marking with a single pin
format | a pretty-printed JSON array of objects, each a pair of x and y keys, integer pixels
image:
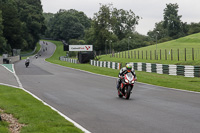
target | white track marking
[{"x": 21, "y": 87}]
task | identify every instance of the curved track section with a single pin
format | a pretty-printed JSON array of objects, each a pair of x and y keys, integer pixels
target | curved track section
[{"x": 91, "y": 100}]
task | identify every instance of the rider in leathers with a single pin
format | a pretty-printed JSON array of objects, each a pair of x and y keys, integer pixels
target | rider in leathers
[
  {"x": 123, "y": 71},
  {"x": 27, "y": 61}
]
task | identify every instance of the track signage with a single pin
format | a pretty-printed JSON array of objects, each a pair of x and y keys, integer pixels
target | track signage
[{"x": 80, "y": 47}]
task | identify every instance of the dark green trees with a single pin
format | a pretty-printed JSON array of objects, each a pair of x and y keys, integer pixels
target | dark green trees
[
  {"x": 22, "y": 23},
  {"x": 172, "y": 27},
  {"x": 66, "y": 25},
  {"x": 31, "y": 16},
  {"x": 172, "y": 21},
  {"x": 110, "y": 26},
  {"x": 2, "y": 39}
]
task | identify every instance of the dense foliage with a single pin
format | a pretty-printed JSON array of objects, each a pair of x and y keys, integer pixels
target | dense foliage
[
  {"x": 21, "y": 23},
  {"x": 66, "y": 25},
  {"x": 114, "y": 28},
  {"x": 109, "y": 28},
  {"x": 2, "y": 39},
  {"x": 171, "y": 27}
]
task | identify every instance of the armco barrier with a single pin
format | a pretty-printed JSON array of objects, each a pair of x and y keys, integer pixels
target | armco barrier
[
  {"x": 1, "y": 60},
  {"x": 107, "y": 64},
  {"x": 14, "y": 59},
  {"x": 28, "y": 54},
  {"x": 11, "y": 59},
  {"x": 183, "y": 70},
  {"x": 62, "y": 58}
]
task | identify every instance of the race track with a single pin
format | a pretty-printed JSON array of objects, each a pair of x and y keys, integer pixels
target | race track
[{"x": 91, "y": 100}]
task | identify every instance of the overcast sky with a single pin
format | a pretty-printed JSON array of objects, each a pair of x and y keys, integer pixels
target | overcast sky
[{"x": 151, "y": 11}]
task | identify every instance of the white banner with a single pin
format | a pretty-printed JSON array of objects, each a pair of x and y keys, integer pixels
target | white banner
[{"x": 80, "y": 47}]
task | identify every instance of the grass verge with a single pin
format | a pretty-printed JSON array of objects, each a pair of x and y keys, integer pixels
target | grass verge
[
  {"x": 191, "y": 42},
  {"x": 178, "y": 82},
  {"x": 32, "y": 113},
  {"x": 3, "y": 127}
]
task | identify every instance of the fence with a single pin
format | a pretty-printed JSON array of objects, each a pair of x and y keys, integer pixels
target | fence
[
  {"x": 107, "y": 64},
  {"x": 62, "y": 58},
  {"x": 183, "y": 70},
  {"x": 180, "y": 54}
]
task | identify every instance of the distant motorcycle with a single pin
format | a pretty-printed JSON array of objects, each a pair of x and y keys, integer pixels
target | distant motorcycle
[
  {"x": 27, "y": 63},
  {"x": 126, "y": 86},
  {"x": 36, "y": 56}
]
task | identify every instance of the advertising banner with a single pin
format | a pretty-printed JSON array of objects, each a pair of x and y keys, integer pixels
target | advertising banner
[{"x": 80, "y": 47}]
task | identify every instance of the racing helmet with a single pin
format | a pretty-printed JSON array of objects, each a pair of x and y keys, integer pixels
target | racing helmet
[{"x": 129, "y": 67}]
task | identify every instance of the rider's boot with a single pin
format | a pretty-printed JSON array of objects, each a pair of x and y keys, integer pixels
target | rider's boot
[{"x": 118, "y": 86}]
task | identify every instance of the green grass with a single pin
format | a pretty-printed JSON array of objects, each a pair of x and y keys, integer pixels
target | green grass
[
  {"x": 179, "y": 82},
  {"x": 188, "y": 42},
  {"x": 28, "y": 110},
  {"x": 3, "y": 127}
]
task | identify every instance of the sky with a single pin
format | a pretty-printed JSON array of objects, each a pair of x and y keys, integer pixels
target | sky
[{"x": 151, "y": 11}]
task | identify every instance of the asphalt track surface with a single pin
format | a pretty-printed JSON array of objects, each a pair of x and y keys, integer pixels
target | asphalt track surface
[{"x": 91, "y": 100}]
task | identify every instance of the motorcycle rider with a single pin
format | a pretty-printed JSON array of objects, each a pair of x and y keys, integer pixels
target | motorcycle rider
[
  {"x": 123, "y": 71},
  {"x": 36, "y": 56},
  {"x": 27, "y": 61}
]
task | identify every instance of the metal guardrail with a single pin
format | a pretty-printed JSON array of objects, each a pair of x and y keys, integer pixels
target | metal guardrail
[
  {"x": 9, "y": 60},
  {"x": 28, "y": 54},
  {"x": 1, "y": 60}
]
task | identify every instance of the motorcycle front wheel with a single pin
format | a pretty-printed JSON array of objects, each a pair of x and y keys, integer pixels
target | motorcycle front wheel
[
  {"x": 119, "y": 94},
  {"x": 128, "y": 92}
]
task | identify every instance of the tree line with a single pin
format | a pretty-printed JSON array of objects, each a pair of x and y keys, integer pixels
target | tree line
[
  {"x": 66, "y": 25},
  {"x": 171, "y": 27},
  {"x": 109, "y": 28},
  {"x": 21, "y": 24},
  {"x": 112, "y": 28}
]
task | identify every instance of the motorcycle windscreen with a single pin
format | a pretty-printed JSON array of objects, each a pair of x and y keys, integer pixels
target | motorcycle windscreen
[{"x": 129, "y": 76}]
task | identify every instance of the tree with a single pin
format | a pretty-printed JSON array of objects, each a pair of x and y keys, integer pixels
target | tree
[
  {"x": 159, "y": 33},
  {"x": 83, "y": 19},
  {"x": 102, "y": 27},
  {"x": 90, "y": 37},
  {"x": 31, "y": 15},
  {"x": 172, "y": 21},
  {"x": 12, "y": 24},
  {"x": 68, "y": 24},
  {"x": 110, "y": 24},
  {"x": 23, "y": 23},
  {"x": 171, "y": 27},
  {"x": 2, "y": 39},
  {"x": 48, "y": 17},
  {"x": 123, "y": 22},
  {"x": 194, "y": 28}
]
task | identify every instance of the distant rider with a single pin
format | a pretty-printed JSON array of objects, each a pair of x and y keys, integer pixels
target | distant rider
[
  {"x": 123, "y": 71},
  {"x": 27, "y": 61},
  {"x": 36, "y": 56}
]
